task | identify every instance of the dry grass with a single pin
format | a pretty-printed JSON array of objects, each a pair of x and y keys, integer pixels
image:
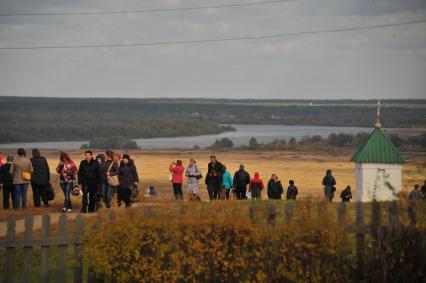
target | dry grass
[{"x": 307, "y": 169}]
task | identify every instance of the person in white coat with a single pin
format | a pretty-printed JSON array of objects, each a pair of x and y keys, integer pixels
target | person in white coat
[{"x": 193, "y": 174}]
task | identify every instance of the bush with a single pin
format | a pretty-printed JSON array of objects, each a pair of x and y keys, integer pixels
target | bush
[
  {"x": 253, "y": 144},
  {"x": 184, "y": 247},
  {"x": 229, "y": 242},
  {"x": 223, "y": 143},
  {"x": 111, "y": 143}
]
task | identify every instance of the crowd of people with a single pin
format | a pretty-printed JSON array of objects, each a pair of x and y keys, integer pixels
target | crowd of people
[
  {"x": 221, "y": 185},
  {"x": 95, "y": 179},
  {"x": 98, "y": 179}
]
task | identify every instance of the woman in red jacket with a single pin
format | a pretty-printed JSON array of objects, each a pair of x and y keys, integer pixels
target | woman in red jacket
[
  {"x": 177, "y": 169},
  {"x": 256, "y": 186}
]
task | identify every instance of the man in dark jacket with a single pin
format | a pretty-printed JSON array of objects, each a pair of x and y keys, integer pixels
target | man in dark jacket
[
  {"x": 241, "y": 180},
  {"x": 40, "y": 178},
  {"x": 6, "y": 182},
  {"x": 89, "y": 180},
  {"x": 275, "y": 188},
  {"x": 346, "y": 194},
  {"x": 214, "y": 177},
  {"x": 128, "y": 177},
  {"x": 292, "y": 191}
]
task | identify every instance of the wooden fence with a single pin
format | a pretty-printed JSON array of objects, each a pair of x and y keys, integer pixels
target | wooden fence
[
  {"x": 64, "y": 239},
  {"x": 46, "y": 242}
]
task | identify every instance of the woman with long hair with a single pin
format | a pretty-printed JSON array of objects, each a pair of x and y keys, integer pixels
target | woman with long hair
[{"x": 67, "y": 171}]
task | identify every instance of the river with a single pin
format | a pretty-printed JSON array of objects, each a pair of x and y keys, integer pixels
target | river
[{"x": 263, "y": 133}]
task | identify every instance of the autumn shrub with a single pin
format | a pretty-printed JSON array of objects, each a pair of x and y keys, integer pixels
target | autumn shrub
[{"x": 231, "y": 242}]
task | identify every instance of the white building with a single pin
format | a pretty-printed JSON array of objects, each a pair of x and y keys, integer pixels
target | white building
[{"x": 378, "y": 168}]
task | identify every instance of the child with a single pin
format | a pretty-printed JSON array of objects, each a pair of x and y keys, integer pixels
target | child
[
  {"x": 291, "y": 191},
  {"x": 256, "y": 186},
  {"x": 346, "y": 194}
]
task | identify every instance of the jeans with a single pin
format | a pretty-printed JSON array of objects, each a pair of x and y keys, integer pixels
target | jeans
[
  {"x": 227, "y": 193},
  {"x": 89, "y": 200},
  {"x": 123, "y": 194},
  {"x": 20, "y": 193},
  {"x": 240, "y": 191},
  {"x": 39, "y": 192},
  {"x": 177, "y": 191},
  {"x": 8, "y": 192},
  {"x": 107, "y": 193},
  {"x": 255, "y": 193},
  {"x": 67, "y": 188}
]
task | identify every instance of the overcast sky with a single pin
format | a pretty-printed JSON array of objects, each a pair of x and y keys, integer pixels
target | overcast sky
[{"x": 386, "y": 63}]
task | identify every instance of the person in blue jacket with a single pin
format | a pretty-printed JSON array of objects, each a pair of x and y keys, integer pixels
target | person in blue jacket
[{"x": 227, "y": 183}]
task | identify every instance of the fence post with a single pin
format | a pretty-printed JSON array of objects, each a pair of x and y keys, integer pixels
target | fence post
[
  {"x": 78, "y": 267},
  {"x": 411, "y": 210},
  {"x": 360, "y": 239},
  {"x": 62, "y": 250},
  {"x": 10, "y": 251},
  {"x": 288, "y": 210},
  {"x": 272, "y": 213},
  {"x": 45, "y": 249},
  {"x": 341, "y": 211},
  {"x": 251, "y": 212},
  {"x": 29, "y": 221},
  {"x": 393, "y": 216}
]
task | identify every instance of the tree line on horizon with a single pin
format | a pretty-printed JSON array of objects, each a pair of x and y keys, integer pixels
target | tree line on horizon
[
  {"x": 340, "y": 140},
  {"x": 71, "y": 119}
]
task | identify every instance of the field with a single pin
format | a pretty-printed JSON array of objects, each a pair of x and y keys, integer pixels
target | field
[{"x": 306, "y": 169}]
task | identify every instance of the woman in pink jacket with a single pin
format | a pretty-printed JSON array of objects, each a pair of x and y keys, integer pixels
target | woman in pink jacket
[{"x": 177, "y": 169}]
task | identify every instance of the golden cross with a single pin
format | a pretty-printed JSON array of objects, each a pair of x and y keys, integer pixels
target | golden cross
[{"x": 378, "y": 123}]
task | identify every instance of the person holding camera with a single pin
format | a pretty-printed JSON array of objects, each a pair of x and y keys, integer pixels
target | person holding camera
[
  {"x": 214, "y": 178},
  {"x": 177, "y": 170},
  {"x": 275, "y": 188}
]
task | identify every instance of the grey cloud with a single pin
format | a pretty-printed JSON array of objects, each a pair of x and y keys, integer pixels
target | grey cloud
[{"x": 389, "y": 63}]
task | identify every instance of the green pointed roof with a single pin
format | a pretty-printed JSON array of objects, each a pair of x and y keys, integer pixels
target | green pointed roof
[{"x": 378, "y": 149}]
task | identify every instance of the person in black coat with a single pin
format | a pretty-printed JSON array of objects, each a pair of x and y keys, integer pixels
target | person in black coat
[
  {"x": 241, "y": 180},
  {"x": 89, "y": 180},
  {"x": 329, "y": 185},
  {"x": 292, "y": 191},
  {"x": 127, "y": 177},
  {"x": 275, "y": 188},
  {"x": 346, "y": 194},
  {"x": 6, "y": 182},
  {"x": 214, "y": 177},
  {"x": 40, "y": 178}
]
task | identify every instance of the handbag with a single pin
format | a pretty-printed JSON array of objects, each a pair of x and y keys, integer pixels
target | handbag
[
  {"x": 26, "y": 176},
  {"x": 199, "y": 176},
  {"x": 50, "y": 193},
  {"x": 112, "y": 180}
]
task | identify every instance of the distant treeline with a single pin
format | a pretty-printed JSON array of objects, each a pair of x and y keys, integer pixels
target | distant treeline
[
  {"x": 24, "y": 119},
  {"x": 113, "y": 142},
  {"x": 341, "y": 140}
]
